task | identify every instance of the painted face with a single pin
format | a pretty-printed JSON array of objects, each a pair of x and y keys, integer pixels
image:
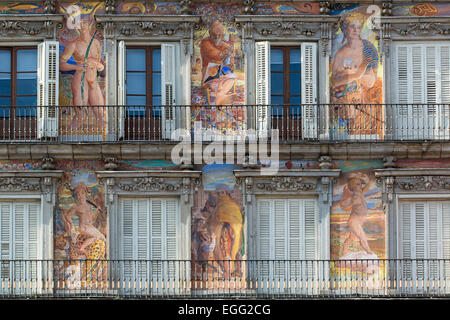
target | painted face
[
  {"x": 355, "y": 185},
  {"x": 354, "y": 29}
]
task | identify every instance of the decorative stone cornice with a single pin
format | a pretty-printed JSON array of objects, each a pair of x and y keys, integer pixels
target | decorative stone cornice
[
  {"x": 411, "y": 180},
  {"x": 142, "y": 27},
  {"x": 286, "y": 27},
  {"x": 151, "y": 181},
  {"x": 286, "y": 181},
  {"x": 29, "y": 27},
  {"x": 33, "y": 181}
]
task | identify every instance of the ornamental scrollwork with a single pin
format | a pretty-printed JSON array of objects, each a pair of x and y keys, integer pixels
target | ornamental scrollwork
[
  {"x": 148, "y": 184},
  {"x": 423, "y": 183},
  {"x": 13, "y": 184},
  {"x": 421, "y": 29},
  {"x": 286, "y": 28},
  {"x": 286, "y": 184}
]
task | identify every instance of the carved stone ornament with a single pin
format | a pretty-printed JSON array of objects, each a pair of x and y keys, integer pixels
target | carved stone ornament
[
  {"x": 49, "y": 6},
  {"x": 286, "y": 184},
  {"x": 110, "y": 6},
  {"x": 149, "y": 184},
  {"x": 146, "y": 27},
  {"x": 387, "y": 188},
  {"x": 14, "y": 184},
  {"x": 249, "y": 6},
  {"x": 286, "y": 28},
  {"x": 325, "y": 7},
  {"x": 185, "y": 6},
  {"x": 422, "y": 28},
  {"x": 33, "y": 26},
  {"x": 48, "y": 163},
  {"x": 325, "y": 162},
  {"x": 417, "y": 183},
  {"x": 110, "y": 163}
]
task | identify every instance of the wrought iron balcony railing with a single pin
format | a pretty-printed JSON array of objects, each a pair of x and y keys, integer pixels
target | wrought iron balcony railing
[
  {"x": 294, "y": 123},
  {"x": 228, "y": 279}
]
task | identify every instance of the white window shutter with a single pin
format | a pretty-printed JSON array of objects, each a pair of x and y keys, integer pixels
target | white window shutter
[
  {"x": 262, "y": 87},
  {"x": 6, "y": 239},
  {"x": 48, "y": 89},
  {"x": 121, "y": 88},
  {"x": 168, "y": 87},
  {"x": 309, "y": 90},
  {"x": 406, "y": 239},
  {"x": 264, "y": 240},
  {"x": 127, "y": 239},
  {"x": 444, "y": 90},
  {"x": 446, "y": 235}
]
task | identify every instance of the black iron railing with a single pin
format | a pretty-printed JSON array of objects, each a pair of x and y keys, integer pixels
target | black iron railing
[
  {"x": 293, "y": 123},
  {"x": 244, "y": 278}
]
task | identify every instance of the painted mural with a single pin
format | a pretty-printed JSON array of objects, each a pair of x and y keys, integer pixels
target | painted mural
[
  {"x": 148, "y": 8},
  {"x": 356, "y": 74},
  {"x": 424, "y": 9},
  {"x": 268, "y": 8},
  {"x": 80, "y": 227},
  {"x": 357, "y": 222},
  {"x": 21, "y": 8},
  {"x": 82, "y": 70},
  {"x": 217, "y": 73},
  {"x": 217, "y": 228}
]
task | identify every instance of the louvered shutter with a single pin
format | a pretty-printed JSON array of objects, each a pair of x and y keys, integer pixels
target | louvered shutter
[
  {"x": 406, "y": 240},
  {"x": 171, "y": 266},
  {"x": 6, "y": 239},
  {"x": 309, "y": 90},
  {"x": 445, "y": 242},
  {"x": 142, "y": 235},
  {"x": 33, "y": 243},
  {"x": 262, "y": 87},
  {"x": 296, "y": 232},
  {"x": 280, "y": 238},
  {"x": 169, "y": 70},
  {"x": 127, "y": 243},
  {"x": 121, "y": 89},
  {"x": 48, "y": 89},
  {"x": 444, "y": 90},
  {"x": 264, "y": 240}
]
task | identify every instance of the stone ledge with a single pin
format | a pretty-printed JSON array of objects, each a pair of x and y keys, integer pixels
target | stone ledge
[{"x": 162, "y": 151}]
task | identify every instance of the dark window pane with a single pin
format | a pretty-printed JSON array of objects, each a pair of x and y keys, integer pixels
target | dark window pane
[
  {"x": 156, "y": 112},
  {"x": 294, "y": 60},
  {"x": 156, "y": 83},
  {"x": 276, "y": 83},
  {"x": 5, "y": 84},
  {"x": 26, "y": 60},
  {"x": 156, "y": 60},
  {"x": 26, "y": 100},
  {"x": 294, "y": 83},
  {"x": 24, "y": 111},
  {"x": 136, "y": 83},
  {"x": 136, "y": 60},
  {"x": 276, "y": 60},
  {"x": 295, "y": 100},
  {"x": 276, "y": 99},
  {"x": 134, "y": 112},
  {"x": 5, "y": 58},
  {"x": 4, "y": 112},
  {"x": 295, "y": 111},
  {"x": 136, "y": 100},
  {"x": 156, "y": 101},
  {"x": 26, "y": 83}
]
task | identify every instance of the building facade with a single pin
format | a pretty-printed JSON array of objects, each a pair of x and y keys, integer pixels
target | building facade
[{"x": 229, "y": 148}]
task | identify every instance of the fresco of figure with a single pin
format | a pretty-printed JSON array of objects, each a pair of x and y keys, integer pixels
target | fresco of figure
[
  {"x": 218, "y": 64},
  {"x": 228, "y": 213},
  {"x": 87, "y": 214},
  {"x": 354, "y": 72},
  {"x": 86, "y": 51},
  {"x": 353, "y": 200}
]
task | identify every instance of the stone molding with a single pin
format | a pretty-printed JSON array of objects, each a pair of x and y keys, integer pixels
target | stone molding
[
  {"x": 29, "y": 27},
  {"x": 410, "y": 180},
  {"x": 290, "y": 181},
  {"x": 149, "y": 182},
  {"x": 35, "y": 182}
]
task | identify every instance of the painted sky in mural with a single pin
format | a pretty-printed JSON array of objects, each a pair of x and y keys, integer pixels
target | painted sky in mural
[
  {"x": 218, "y": 225},
  {"x": 356, "y": 73},
  {"x": 82, "y": 69}
]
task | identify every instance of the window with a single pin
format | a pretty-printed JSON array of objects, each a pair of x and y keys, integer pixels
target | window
[
  {"x": 18, "y": 81},
  {"x": 422, "y": 78},
  {"x": 287, "y": 239},
  {"x": 147, "y": 85},
  {"x": 143, "y": 72},
  {"x": 424, "y": 234},
  {"x": 20, "y": 240},
  {"x": 287, "y": 75},
  {"x": 149, "y": 240}
]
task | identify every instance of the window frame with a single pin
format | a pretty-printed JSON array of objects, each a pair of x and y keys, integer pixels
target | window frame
[
  {"x": 13, "y": 112},
  {"x": 149, "y": 107}
]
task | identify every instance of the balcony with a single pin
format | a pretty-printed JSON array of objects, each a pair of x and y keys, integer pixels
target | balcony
[
  {"x": 287, "y": 279},
  {"x": 294, "y": 123}
]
